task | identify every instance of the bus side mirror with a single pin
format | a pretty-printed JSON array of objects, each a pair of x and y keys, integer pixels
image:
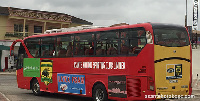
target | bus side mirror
[{"x": 12, "y": 53}]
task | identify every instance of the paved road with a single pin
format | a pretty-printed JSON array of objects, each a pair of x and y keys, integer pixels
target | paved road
[
  {"x": 196, "y": 62},
  {"x": 8, "y": 86}
]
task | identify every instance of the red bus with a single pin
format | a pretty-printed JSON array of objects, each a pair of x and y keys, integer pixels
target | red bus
[{"x": 130, "y": 62}]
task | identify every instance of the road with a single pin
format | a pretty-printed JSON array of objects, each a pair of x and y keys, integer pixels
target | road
[
  {"x": 196, "y": 62},
  {"x": 8, "y": 87}
]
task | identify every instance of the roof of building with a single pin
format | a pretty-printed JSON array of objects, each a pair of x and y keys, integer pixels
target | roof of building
[{"x": 5, "y": 11}]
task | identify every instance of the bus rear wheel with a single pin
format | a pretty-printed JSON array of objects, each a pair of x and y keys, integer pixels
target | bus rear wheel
[
  {"x": 36, "y": 88},
  {"x": 99, "y": 93}
]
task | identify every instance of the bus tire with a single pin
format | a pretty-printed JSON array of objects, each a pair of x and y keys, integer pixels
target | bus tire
[
  {"x": 99, "y": 93},
  {"x": 35, "y": 87}
]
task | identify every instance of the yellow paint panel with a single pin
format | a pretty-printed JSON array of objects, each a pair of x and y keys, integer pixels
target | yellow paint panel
[
  {"x": 165, "y": 52},
  {"x": 171, "y": 74}
]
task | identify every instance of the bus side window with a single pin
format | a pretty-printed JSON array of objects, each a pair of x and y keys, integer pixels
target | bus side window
[
  {"x": 33, "y": 46},
  {"x": 100, "y": 46},
  {"x": 132, "y": 41},
  {"x": 84, "y": 44},
  {"x": 69, "y": 50},
  {"x": 62, "y": 52},
  {"x": 48, "y": 46},
  {"x": 112, "y": 50},
  {"x": 107, "y": 42},
  {"x": 64, "y": 46},
  {"x": 124, "y": 47}
]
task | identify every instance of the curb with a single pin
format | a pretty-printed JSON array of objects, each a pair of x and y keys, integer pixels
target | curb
[
  {"x": 7, "y": 73},
  {"x": 3, "y": 97}
]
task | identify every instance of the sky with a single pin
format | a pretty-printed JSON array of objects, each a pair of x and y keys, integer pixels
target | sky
[{"x": 109, "y": 12}]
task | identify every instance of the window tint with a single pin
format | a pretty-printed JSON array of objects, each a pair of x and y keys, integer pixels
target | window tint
[
  {"x": 107, "y": 43},
  {"x": 33, "y": 46},
  {"x": 84, "y": 44},
  {"x": 48, "y": 46},
  {"x": 132, "y": 40},
  {"x": 171, "y": 37},
  {"x": 65, "y": 46}
]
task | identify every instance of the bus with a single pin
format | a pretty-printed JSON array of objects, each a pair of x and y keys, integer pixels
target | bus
[{"x": 131, "y": 62}]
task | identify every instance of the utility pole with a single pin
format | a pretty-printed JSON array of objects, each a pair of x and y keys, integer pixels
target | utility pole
[{"x": 186, "y": 15}]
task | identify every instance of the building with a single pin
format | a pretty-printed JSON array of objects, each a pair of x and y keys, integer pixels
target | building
[
  {"x": 17, "y": 23},
  {"x": 195, "y": 36}
]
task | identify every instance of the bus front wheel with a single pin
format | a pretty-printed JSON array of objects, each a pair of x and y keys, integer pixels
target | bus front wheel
[
  {"x": 99, "y": 93},
  {"x": 36, "y": 88}
]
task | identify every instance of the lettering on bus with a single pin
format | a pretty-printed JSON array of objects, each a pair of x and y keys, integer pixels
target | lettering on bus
[
  {"x": 71, "y": 83},
  {"x": 100, "y": 65},
  {"x": 31, "y": 68}
]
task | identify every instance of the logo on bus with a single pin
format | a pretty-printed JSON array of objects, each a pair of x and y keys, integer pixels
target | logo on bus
[
  {"x": 170, "y": 70},
  {"x": 46, "y": 71},
  {"x": 174, "y": 71}
]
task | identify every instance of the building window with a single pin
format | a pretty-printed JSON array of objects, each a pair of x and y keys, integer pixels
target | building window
[
  {"x": 37, "y": 29},
  {"x": 18, "y": 30}
]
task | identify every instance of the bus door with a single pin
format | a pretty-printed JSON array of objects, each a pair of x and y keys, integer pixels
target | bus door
[{"x": 19, "y": 63}]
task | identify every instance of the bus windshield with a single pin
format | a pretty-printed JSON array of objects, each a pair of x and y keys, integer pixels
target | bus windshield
[{"x": 171, "y": 37}]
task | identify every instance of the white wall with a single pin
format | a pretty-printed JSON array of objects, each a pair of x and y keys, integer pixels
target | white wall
[
  {"x": 5, "y": 53},
  {"x": 8, "y": 43}
]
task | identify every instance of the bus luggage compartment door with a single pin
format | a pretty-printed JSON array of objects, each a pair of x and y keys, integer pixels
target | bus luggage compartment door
[{"x": 172, "y": 77}]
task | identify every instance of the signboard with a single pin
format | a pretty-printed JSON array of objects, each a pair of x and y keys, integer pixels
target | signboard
[
  {"x": 31, "y": 67},
  {"x": 174, "y": 71},
  {"x": 195, "y": 14},
  {"x": 46, "y": 71},
  {"x": 39, "y": 15},
  {"x": 71, "y": 83},
  {"x": 117, "y": 86}
]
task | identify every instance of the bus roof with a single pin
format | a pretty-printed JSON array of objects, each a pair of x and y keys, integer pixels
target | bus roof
[
  {"x": 161, "y": 25},
  {"x": 92, "y": 30},
  {"x": 146, "y": 25}
]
